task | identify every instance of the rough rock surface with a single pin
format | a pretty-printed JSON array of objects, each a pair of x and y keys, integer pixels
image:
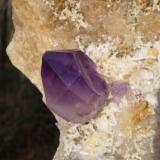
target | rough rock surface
[{"x": 123, "y": 38}]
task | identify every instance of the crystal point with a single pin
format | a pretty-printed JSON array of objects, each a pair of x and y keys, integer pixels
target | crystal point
[{"x": 74, "y": 90}]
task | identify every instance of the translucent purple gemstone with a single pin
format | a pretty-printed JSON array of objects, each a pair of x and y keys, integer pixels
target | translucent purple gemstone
[
  {"x": 73, "y": 88},
  {"x": 118, "y": 90}
]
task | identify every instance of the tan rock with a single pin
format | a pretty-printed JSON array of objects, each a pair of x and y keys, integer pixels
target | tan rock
[{"x": 96, "y": 26}]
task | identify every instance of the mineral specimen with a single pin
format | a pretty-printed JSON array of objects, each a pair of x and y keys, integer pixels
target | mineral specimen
[
  {"x": 117, "y": 36},
  {"x": 73, "y": 88}
]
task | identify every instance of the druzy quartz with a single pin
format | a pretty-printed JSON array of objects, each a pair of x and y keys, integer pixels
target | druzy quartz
[{"x": 73, "y": 88}]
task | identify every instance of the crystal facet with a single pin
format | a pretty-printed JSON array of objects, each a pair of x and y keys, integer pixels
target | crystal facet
[
  {"x": 118, "y": 90},
  {"x": 73, "y": 88}
]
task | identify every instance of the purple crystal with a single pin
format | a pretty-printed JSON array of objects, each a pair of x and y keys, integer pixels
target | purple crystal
[
  {"x": 73, "y": 88},
  {"x": 118, "y": 90}
]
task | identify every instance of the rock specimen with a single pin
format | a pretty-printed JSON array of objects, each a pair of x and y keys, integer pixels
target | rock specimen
[
  {"x": 73, "y": 88},
  {"x": 122, "y": 38}
]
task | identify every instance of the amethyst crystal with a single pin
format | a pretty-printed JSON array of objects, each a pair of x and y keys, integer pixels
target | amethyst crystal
[
  {"x": 73, "y": 88},
  {"x": 118, "y": 90}
]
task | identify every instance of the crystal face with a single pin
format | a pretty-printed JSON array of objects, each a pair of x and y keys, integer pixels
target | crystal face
[
  {"x": 74, "y": 90},
  {"x": 118, "y": 90}
]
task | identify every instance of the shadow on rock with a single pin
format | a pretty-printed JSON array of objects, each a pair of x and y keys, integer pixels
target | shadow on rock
[{"x": 27, "y": 128}]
